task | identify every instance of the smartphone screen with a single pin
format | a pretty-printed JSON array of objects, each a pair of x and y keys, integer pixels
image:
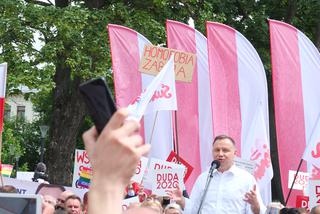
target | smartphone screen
[{"x": 99, "y": 101}]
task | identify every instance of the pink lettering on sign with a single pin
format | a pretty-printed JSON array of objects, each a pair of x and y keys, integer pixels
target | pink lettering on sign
[
  {"x": 138, "y": 169},
  {"x": 158, "y": 166},
  {"x": 167, "y": 181},
  {"x": 316, "y": 153},
  {"x": 82, "y": 157}
]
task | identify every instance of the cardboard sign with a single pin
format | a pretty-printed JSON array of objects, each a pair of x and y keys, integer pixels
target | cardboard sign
[
  {"x": 29, "y": 187},
  {"x": 301, "y": 181},
  {"x": 154, "y": 58},
  {"x": 173, "y": 157},
  {"x": 302, "y": 201},
  {"x": 142, "y": 165},
  {"x": 81, "y": 161},
  {"x": 164, "y": 180},
  {"x": 247, "y": 165},
  {"x": 126, "y": 202},
  {"x": 314, "y": 193}
]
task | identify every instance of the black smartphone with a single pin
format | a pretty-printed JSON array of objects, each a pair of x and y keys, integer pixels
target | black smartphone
[{"x": 99, "y": 101}]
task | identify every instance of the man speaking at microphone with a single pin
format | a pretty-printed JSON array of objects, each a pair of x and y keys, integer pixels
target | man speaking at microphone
[{"x": 231, "y": 189}]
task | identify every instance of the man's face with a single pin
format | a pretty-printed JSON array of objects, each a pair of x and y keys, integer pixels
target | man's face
[
  {"x": 73, "y": 206},
  {"x": 224, "y": 151}
]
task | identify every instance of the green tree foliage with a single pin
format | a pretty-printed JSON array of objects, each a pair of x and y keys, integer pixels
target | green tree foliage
[{"x": 74, "y": 47}]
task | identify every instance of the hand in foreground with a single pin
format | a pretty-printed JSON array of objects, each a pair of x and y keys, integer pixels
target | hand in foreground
[
  {"x": 251, "y": 198},
  {"x": 115, "y": 153},
  {"x": 177, "y": 196}
]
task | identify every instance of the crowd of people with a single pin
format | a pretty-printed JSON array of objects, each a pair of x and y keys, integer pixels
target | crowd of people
[{"x": 234, "y": 190}]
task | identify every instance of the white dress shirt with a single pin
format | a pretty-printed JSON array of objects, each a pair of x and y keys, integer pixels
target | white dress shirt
[{"x": 225, "y": 193}]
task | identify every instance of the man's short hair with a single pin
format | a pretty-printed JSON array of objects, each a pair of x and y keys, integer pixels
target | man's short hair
[
  {"x": 73, "y": 197},
  {"x": 222, "y": 137}
]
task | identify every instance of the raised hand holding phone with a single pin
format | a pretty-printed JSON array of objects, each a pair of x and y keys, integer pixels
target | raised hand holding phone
[{"x": 99, "y": 101}]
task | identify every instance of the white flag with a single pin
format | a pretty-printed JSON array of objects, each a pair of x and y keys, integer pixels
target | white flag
[{"x": 160, "y": 95}]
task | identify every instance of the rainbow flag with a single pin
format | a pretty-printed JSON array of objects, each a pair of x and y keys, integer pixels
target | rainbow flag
[
  {"x": 6, "y": 170},
  {"x": 85, "y": 177}
]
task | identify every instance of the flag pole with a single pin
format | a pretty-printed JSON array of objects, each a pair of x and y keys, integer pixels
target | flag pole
[
  {"x": 176, "y": 144},
  {"x": 0, "y": 159},
  {"x": 294, "y": 179},
  {"x": 154, "y": 124}
]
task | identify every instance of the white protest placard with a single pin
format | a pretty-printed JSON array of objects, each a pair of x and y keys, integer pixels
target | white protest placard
[
  {"x": 81, "y": 160},
  {"x": 314, "y": 193},
  {"x": 128, "y": 201},
  {"x": 158, "y": 164},
  {"x": 247, "y": 165},
  {"x": 164, "y": 180},
  {"x": 141, "y": 167},
  {"x": 28, "y": 187},
  {"x": 301, "y": 181},
  {"x": 26, "y": 176},
  {"x": 154, "y": 58}
]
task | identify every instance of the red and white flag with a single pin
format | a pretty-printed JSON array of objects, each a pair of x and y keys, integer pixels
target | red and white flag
[
  {"x": 296, "y": 76},
  {"x": 126, "y": 51},
  {"x": 3, "y": 78},
  {"x": 194, "y": 119},
  {"x": 240, "y": 99},
  {"x": 160, "y": 95}
]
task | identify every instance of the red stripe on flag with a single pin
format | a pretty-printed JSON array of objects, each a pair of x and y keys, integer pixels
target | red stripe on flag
[
  {"x": 288, "y": 101},
  {"x": 125, "y": 63},
  {"x": 183, "y": 38},
  {"x": 223, "y": 69}
]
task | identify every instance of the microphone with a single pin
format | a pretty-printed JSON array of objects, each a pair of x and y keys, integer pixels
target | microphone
[{"x": 214, "y": 165}]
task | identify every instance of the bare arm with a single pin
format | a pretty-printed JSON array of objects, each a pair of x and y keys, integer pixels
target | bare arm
[{"x": 114, "y": 155}]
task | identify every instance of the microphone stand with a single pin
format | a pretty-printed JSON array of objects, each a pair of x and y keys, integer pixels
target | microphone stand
[{"x": 210, "y": 175}]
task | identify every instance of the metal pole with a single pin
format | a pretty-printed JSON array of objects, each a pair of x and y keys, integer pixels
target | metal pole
[{"x": 41, "y": 150}]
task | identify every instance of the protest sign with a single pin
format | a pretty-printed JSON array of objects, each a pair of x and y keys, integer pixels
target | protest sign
[
  {"x": 81, "y": 161},
  {"x": 27, "y": 176},
  {"x": 6, "y": 170},
  {"x": 314, "y": 193},
  {"x": 141, "y": 167},
  {"x": 164, "y": 180},
  {"x": 247, "y": 165},
  {"x": 302, "y": 201},
  {"x": 154, "y": 58},
  {"x": 301, "y": 181},
  {"x": 173, "y": 157},
  {"x": 29, "y": 187}
]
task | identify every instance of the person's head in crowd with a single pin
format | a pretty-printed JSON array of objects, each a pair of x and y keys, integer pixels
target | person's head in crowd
[
  {"x": 8, "y": 189},
  {"x": 141, "y": 210},
  {"x": 50, "y": 189},
  {"x": 274, "y": 207},
  {"x": 85, "y": 202},
  {"x": 73, "y": 205},
  {"x": 153, "y": 204},
  {"x": 224, "y": 150},
  {"x": 289, "y": 211},
  {"x": 303, "y": 211},
  {"x": 173, "y": 208},
  {"x": 315, "y": 210},
  {"x": 62, "y": 198},
  {"x": 60, "y": 211}
]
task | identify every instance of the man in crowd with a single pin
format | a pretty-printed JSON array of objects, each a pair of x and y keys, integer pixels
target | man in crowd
[
  {"x": 73, "y": 205},
  {"x": 62, "y": 198},
  {"x": 232, "y": 190}
]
